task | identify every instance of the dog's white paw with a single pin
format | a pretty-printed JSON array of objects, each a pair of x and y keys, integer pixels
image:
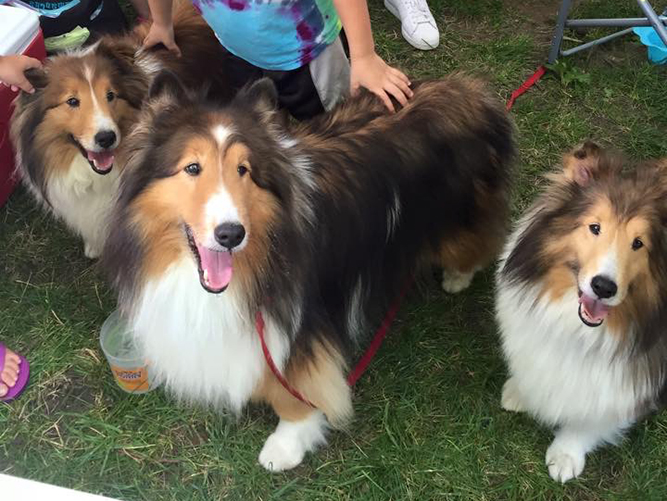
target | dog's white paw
[
  {"x": 564, "y": 464},
  {"x": 286, "y": 447},
  {"x": 281, "y": 452},
  {"x": 91, "y": 251},
  {"x": 511, "y": 399},
  {"x": 455, "y": 281}
]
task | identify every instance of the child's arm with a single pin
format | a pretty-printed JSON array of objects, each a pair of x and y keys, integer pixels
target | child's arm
[
  {"x": 162, "y": 29},
  {"x": 11, "y": 72},
  {"x": 367, "y": 68}
]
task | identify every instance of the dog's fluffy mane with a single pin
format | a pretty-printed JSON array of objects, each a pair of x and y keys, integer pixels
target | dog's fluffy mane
[
  {"x": 172, "y": 106},
  {"x": 633, "y": 191}
]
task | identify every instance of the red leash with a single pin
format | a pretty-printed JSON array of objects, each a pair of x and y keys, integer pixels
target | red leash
[
  {"x": 361, "y": 366},
  {"x": 379, "y": 336},
  {"x": 259, "y": 326},
  {"x": 532, "y": 80}
]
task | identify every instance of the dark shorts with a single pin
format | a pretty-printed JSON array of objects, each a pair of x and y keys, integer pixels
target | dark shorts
[
  {"x": 306, "y": 91},
  {"x": 99, "y": 16}
]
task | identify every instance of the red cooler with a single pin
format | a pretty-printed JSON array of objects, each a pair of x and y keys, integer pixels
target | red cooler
[{"x": 19, "y": 34}]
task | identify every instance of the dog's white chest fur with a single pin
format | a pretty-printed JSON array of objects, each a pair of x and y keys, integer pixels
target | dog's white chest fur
[
  {"x": 202, "y": 345},
  {"x": 564, "y": 371},
  {"x": 83, "y": 199}
]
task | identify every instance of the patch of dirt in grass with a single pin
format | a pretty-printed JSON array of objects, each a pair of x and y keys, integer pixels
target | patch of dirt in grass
[
  {"x": 71, "y": 394},
  {"x": 193, "y": 435},
  {"x": 535, "y": 18},
  {"x": 536, "y": 12},
  {"x": 616, "y": 54}
]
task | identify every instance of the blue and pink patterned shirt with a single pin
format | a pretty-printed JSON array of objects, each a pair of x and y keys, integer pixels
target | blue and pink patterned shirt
[{"x": 273, "y": 34}]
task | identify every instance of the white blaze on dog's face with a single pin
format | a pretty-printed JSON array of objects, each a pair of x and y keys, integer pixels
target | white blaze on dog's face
[
  {"x": 208, "y": 193},
  {"x": 83, "y": 103},
  {"x": 215, "y": 189},
  {"x": 89, "y": 103},
  {"x": 612, "y": 253}
]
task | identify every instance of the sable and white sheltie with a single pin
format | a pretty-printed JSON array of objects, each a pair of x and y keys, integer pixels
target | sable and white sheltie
[
  {"x": 69, "y": 133},
  {"x": 224, "y": 212},
  {"x": 582, "y": 304}
]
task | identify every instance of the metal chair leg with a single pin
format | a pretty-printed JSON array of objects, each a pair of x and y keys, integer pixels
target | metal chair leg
[
  {"x": 557, "y": 40},
  {"x": 659, "y": 23},
  {"x": 655, "y": 20}
]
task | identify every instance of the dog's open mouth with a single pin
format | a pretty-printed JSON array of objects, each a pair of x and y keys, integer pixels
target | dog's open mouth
[
  {"x": 100, "y": 161},
  {"x": 592, "y": 312},
  {"x": 215, "y": 267}
]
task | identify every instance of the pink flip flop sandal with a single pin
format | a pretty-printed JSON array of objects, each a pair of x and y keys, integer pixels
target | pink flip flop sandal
[{"x": 21, "y": 382}]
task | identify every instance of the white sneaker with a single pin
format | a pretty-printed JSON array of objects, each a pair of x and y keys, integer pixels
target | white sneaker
[{"x": 417, "y": 24}]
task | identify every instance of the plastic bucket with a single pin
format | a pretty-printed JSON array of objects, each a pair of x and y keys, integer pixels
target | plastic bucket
[{"x": 131, "y": 370}]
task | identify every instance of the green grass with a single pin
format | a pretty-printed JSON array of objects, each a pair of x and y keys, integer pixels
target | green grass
[{"x": 428, "y": 422}]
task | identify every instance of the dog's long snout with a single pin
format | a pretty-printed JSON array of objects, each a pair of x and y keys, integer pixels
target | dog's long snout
[
  {"x": 105, "y": 138},
  {"x": 603, "y": 287},
  {"x": 229, "y": 235}
]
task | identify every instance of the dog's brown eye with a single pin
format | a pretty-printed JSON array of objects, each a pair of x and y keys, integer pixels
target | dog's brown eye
[
  {"x": 193, "y": 169},
  {"x": 242, "y": 170},
  {"x": 73, "y": 102},
  {"x": 595, "y": 229},
  {"x": 637, "y": 244},
  {"x": 110, "y": 96}
]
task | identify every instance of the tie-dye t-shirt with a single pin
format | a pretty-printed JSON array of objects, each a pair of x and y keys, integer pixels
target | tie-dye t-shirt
[{"x": 273, "y": 34}]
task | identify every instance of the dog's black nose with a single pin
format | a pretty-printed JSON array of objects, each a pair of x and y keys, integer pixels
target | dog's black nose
[
  {"x": 603, "y": 287},
  {"x": 229, "y": 235},
  {"x": 105, "y": 138}
]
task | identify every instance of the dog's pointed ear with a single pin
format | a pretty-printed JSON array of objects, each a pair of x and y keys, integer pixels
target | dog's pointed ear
[
  {"x": 585, "y": 163},
  {"x": 37, "y": 78},
  {"x": 261, "y": 95},
  {"x": 167, "y": 83}
]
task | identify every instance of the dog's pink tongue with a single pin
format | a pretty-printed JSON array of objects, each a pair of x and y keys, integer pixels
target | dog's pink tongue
[
  {"x": 103, "y": 160},
  {"x": 217, "y": 267},
  {"x": 595, "y": 309}
]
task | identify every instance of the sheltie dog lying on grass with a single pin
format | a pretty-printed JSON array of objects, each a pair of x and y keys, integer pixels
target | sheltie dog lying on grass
[
  {"x": 223, "y": 213},
  {"x": 69, "y": 133},
  {"x": 582, "y": 304}
]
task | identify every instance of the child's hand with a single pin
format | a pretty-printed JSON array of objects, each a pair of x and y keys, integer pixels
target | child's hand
[
  {"x": 11, "y": 72},
  {"x": 163, "y": 34},
  {"x": 381, "y": 79}
]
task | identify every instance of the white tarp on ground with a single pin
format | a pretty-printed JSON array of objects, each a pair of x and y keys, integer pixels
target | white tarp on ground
[{"x": 19, "y": 489}]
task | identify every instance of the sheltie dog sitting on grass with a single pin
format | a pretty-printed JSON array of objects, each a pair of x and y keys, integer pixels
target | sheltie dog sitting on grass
[
  {"x": 224, "y": 212},
  {"x": 582, "y": 304},
  {"x": 68, "y": 135}
]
